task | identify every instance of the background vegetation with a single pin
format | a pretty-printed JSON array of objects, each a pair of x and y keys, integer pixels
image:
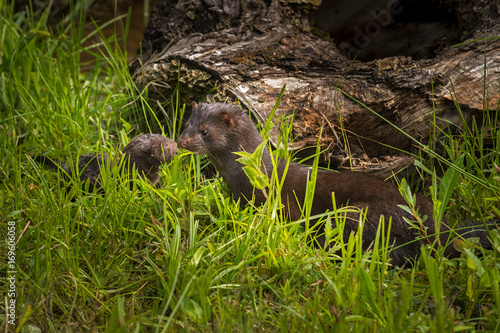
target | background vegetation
[{"x": 186, "y": 257}]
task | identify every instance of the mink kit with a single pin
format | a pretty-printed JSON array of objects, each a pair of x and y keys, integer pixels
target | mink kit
[{"x": 144, "y": 153}]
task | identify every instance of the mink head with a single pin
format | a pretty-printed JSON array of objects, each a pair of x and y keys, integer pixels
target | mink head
[
  {"x": 219, "y": 128},
  {"x": 154, "y": 149}
]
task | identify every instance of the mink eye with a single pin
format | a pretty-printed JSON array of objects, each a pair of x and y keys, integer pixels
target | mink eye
[{"x": 204, "y": 132}]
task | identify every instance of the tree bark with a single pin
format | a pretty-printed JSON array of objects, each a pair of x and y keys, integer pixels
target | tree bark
[{"x": 248, "y": 50}]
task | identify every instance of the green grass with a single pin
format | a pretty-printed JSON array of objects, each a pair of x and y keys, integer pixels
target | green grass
[{"x": 186, "y": 257}]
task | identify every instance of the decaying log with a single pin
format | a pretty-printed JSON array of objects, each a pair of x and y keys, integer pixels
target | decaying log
[{"x": 248, "y": 50}]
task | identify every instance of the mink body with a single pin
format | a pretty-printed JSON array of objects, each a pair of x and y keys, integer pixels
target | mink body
[
  {"x": 219, "y": 130},
  {"x": 144, "y": 153}
]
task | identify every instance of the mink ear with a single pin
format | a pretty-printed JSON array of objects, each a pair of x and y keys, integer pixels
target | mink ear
[
  {"x": 156, "y": 152},
  {"x": 148, "y": 146},
  {"x": 226, "y": 118},
  {"x": 194, "y": 105}
]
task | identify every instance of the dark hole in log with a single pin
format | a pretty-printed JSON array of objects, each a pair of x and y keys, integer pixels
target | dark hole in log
[{"x": 374, "y": 29}]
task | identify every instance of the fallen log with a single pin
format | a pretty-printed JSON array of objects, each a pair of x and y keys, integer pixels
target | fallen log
[{"x": 249, "y": 50}]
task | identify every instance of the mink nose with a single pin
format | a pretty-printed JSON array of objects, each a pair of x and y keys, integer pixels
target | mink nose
[{"x": 182, "y": 142}]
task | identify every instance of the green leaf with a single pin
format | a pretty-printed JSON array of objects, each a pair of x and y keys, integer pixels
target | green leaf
[
  {"x": 448, "y": 184},
  {"x": 30, "y": 329},
  {"x": 192, "y": 309},
  {"x": 406, "y": 209},
  {"x": 123, "y": 137},
  {"x": 256, "y": 177},
  {"x": 198, "y": 255},
  {"x": 474, "y": 263},
  {"x": 470, "y": 288},
  {"x": 495, "y": 234},
  {"x": 252, "y": 166},
  {"x": 126, "y": 125},
  {"x": 460, "y": 328},
  {"x": 116, "y": 321},
  {"x": 459, "y": 245},
  {"x": 15, "y": 213},
  {"x": 420, "y": 165}
]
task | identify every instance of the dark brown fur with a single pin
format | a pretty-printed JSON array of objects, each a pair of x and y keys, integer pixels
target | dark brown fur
[
  {"x": 144, "y": 153},
  {"x": 147, "y": 152},
  {"x": 219, "y": 130}
]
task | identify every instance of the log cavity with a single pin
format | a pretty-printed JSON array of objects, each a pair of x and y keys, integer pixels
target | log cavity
[{"x": 374, "y": 29}]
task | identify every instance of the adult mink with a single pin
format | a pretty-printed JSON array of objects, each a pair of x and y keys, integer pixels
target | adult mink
[
  {"x": 144, "y": 153},
  {"x": 218, "y": 130}
]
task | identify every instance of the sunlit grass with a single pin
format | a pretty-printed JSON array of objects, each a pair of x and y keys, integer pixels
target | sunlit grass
[{"x": 186, "y": 256}]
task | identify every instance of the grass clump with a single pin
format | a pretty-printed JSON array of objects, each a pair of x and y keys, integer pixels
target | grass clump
[{"x": 186, "y": 256}]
